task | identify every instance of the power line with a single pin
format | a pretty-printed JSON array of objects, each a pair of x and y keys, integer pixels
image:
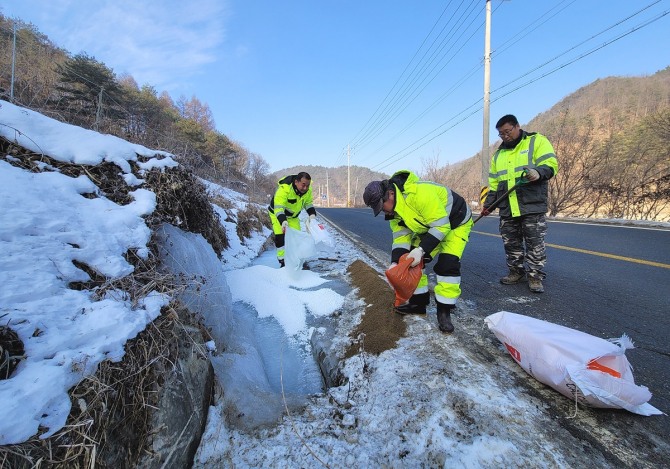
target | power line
[
  {"x": 585, "y": 54},
  {"x": 532, "y": 26},
  {"x": 410, "y": 80},
  {"x": 444, "y": 96},
  {"x": 578, "y": 45},
  {"x": 401, "y": 75},
  {"x": 409, "y": 95},
  {"x": 428, "y": 138}
]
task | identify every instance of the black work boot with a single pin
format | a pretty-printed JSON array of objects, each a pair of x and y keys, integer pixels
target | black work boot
[
  {"x": 409, "y": 308},
  {"x": 416, "y": 304},
  {"x": 444, "y": 317},
  {"x": 281, "y": 263}
]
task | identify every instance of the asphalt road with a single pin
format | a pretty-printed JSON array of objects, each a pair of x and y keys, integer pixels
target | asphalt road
[{"x": 605, "y": 280}]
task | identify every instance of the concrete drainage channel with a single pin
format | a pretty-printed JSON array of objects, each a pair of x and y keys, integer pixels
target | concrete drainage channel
[{"x": 328, "y": 364}]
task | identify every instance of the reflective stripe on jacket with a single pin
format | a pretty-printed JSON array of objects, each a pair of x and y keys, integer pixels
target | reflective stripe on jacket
[
  {"x": 507, "y": 164},
  {"x": 287, "y": 203},
  {"x": 426, "y": 209}
]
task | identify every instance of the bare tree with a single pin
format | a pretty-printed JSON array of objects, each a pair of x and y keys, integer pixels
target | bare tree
[
  {"x": 633, "y": 181},
  {"x": 578, "y": 158},
  {"x": 462, "y": 177},
  {"x": 197, "y": 111},
  {"x": 257, "y": 171},
  {"x": 430, "y": 169}
]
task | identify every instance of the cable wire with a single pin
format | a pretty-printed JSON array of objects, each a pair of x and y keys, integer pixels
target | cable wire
[{"x": 432, "y": 135}]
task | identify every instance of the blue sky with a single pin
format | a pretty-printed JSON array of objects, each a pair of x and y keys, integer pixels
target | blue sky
[{"x": 401, "y": 83}]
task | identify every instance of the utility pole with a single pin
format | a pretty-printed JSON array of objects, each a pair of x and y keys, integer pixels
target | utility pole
[
  {"x": 348, "y": 178},
  {"x": 487, "y": 103},
  {"x": 327, "y": 191}
]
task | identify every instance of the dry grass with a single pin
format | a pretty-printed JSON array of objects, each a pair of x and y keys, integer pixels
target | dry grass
[
  {"x": 183, "y": 202},
  {"x": 109, "y": 424},
  {"x": 225, "y": 204},
  {"x": 11, "y": 350},
  {"x": 249, "y": 220},
  {"x": 106, "y": 176},
  {"x": 252, "y": 219}
]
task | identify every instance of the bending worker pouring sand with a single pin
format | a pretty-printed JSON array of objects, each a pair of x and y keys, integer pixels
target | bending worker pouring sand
[{"x": 427, "y": 220}]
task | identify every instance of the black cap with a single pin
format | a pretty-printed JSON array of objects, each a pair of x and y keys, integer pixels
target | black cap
[{"x": 374, "y": 195}]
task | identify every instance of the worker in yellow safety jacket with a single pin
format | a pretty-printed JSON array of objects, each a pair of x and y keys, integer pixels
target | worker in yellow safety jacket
[
  {"x": 428, "y": 220},
  {"x": 527, "y": 157},
  {"x": 293, "y": 194}
]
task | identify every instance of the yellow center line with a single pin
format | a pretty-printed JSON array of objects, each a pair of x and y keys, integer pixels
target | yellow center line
[{"x": 595, "y": 253}]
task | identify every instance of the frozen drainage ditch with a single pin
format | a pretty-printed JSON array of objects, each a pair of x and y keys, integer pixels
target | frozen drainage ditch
[
  {"x": 264, "y": 369},
  {"x": 260, "y": 368},
  {"x": 286, "y": 364}
]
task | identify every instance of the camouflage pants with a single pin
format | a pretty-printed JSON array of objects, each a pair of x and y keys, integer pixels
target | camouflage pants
[{"x": 523, "y": 238}]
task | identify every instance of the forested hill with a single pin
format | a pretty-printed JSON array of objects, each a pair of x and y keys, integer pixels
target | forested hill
[
  {"x": 610, "y": 103},
  {"x": 611, "y": 138}
]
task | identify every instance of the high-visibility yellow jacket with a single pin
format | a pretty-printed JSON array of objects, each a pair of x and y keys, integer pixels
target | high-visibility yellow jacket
[
  {"x": 507, "y": 165},
  {"x": 424, "y": 209},
  {"x": 287, "y": 202}
]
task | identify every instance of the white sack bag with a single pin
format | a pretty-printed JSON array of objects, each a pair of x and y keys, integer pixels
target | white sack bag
[
  {"x": 299, "y": 246},
  {"x": 580, "y": 366},
  {"x": 320, "y": 234}
]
